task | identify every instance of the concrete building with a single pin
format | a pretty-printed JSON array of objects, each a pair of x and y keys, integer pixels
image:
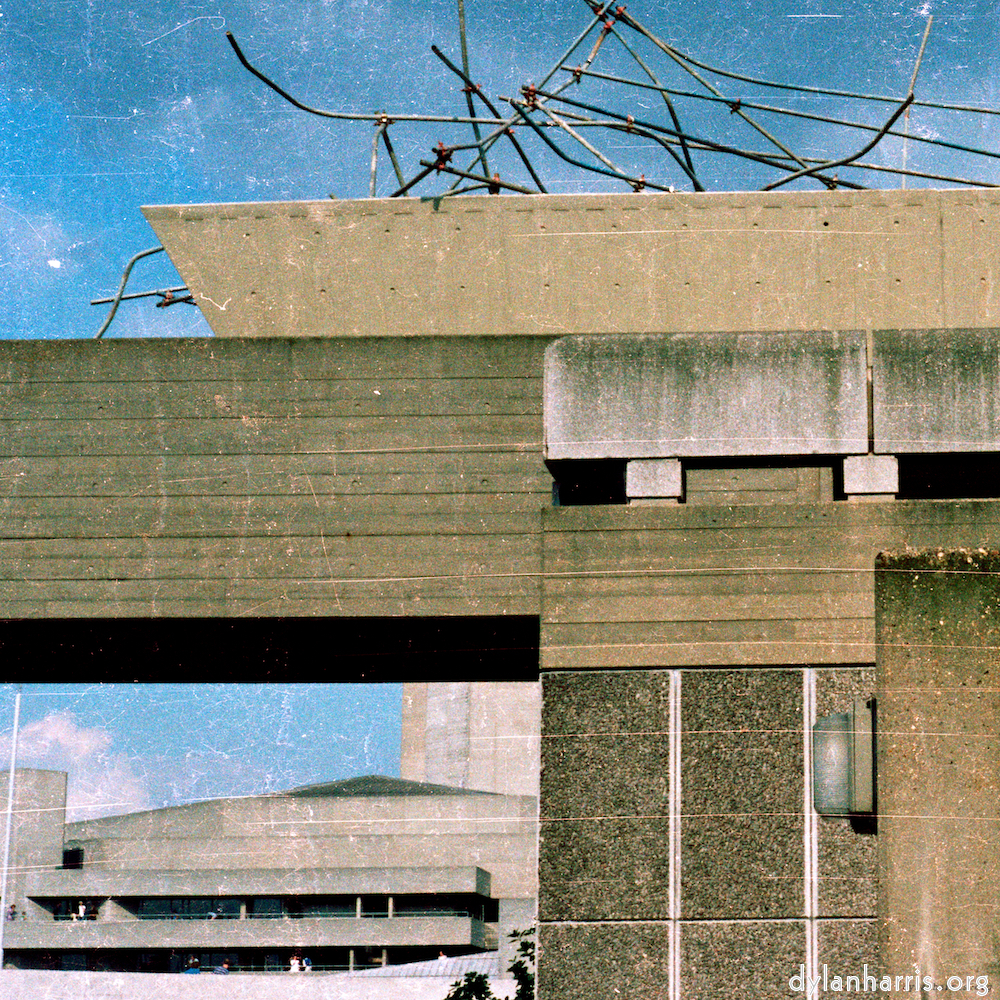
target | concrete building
[
  {"x": 735, "y": 401},
  {"x": 354, "y": 874}
]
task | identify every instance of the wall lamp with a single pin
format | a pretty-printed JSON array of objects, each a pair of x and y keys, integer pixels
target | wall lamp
[{"x": 844, "y": 761}]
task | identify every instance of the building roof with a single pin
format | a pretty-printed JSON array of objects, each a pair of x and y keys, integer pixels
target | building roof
[
  {"x": 488, "y": 963},
  {"x": 376, "y": 786}
]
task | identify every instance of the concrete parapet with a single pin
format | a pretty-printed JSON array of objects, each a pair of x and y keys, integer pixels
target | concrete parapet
[
  {"x": 936, "y": 391},
  {"x": 937, "y": 621},
  {"x": 682, "y": 396},
  {"x": 16, "y": 984}
]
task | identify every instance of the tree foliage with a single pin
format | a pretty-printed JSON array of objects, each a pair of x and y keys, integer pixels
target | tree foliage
[{"x": 476, "y": 986}]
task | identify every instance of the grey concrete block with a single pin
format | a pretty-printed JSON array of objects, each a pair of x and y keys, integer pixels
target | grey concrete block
[
  {"x": 936, "y": 390},
  {"x": 705, "y": 395},
  {"x": 628, "y": 961},
  {"x": 742, "y": 789},
  {"x": 653, "y": 477},
  {"x": 867, "y": 474},
  {"x": 847, "y": 854},
  {"x": 740, "y": 961},
  {"x": 604, "y": 840},
  {"x": 849, "y": 948}
]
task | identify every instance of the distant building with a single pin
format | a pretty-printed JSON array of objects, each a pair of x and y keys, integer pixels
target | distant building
[{"x": 363, "y": 873}]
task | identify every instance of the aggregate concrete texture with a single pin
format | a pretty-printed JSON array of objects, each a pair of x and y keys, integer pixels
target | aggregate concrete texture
[{"x": 674, "y": 395}]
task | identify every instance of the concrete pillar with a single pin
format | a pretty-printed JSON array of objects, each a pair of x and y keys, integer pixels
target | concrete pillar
[
  {"x": 871, "y": 477},
  {"x": 389, "y": 907},
  {"x": 937, "y": 634},
  {"x": 654, "y": 481},
  {"x": 111, "y": 909}
]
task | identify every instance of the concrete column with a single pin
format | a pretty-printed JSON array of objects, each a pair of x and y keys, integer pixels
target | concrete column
[
  {"x": 358, "y": 908},
  {"x": 350, "y": 960},
  {"x": 937, "y": 634},
  {"x": 871, "y": 477},
  {"x": 111, "y": 909},
  {"x": 654, "y": 481},
  {"x": 389, "y": 907},
  {"x": 243, "y": 909}
]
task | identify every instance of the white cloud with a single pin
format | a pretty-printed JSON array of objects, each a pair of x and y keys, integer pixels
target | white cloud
[{"x": 102, "y": 782}]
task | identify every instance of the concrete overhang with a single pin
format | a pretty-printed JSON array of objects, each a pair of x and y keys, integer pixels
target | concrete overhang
[
  {"x": 306, "y": 932},
  {"x": 551, "y": 264},
  {"x": 257, "y": 882}
]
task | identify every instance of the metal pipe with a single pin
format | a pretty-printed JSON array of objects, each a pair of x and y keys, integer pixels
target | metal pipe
[
  {"x": 121, "y": 288},
  {"x": 670, "y": 107},
  {"x": 495, "y": 181},
  {"x": 392, "y": 154},
  {"x": 847, "y": 159},
  {"x": 494, "y": 111},
  {"x": 633, "y": 23},
  {"x": 10, "y": 820},
  {"x": 721, "y": 147},
  {"x": 465, "y": 69},
  {"x": 139, "y": 295},
  {"x": 347, "y": 115},
  {"x": 636, "y": 182}
]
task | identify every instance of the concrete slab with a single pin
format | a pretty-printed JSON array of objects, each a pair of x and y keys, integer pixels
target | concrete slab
[{"x": 683, "y": 396}]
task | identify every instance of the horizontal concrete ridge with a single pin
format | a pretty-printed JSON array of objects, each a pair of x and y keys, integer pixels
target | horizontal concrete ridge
[
  {"x": 681, "y": 396},
  {"x": 628, "y": 263},
  {"x": 979, "y": 560}
]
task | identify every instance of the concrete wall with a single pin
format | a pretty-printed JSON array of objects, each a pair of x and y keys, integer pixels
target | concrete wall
[
  {"x": 938, "y": 630},
  {"x": 493, "y": 832},
  {"x": 716, "y": 394},
  {"x": 680, "y": 856},
  {"x": 474, "y": 734},
  {"x": 551, "y": 264},
  {"x": 37, "y": 826},
  {"x": 723, "y": 585},
  {"x": 279, "y": 478}
]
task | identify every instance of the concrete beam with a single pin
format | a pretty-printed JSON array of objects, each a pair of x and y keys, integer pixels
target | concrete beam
[{"x": 678, "y": 396}]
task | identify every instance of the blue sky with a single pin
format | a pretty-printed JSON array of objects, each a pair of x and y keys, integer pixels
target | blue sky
[
  {"x": 107, "y": 105},
  {"x": 141, "y": 746}
]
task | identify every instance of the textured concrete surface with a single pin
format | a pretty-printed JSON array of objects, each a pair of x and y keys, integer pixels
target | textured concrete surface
[
  {"x": 716, "y": 394},
  {"x": 845, "y": 947},
  {"x": 603, "y": 846},
  {"x": 740, "y": 961},
  {"x": 847, "y": 851},
  {"x": 654, "y": 477},
  {"x": 556, "y": 264},
  {"x": 867, "y": 474},
  {"x": 938, "y": 632},
  {"x": 936, "y": 391},
  {"x": 623, "y": 961},
  {"x": 742, "y": 788}
]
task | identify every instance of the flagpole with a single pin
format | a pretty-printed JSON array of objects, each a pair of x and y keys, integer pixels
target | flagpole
[{"x": 10, "y": 822}]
